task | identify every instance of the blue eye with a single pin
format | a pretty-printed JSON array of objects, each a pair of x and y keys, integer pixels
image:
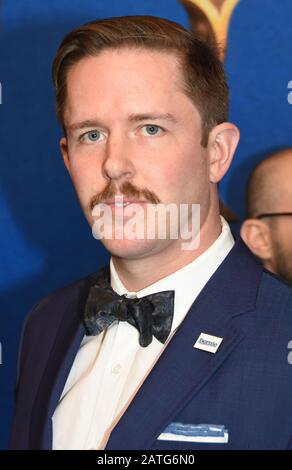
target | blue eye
[
  {"x": 92, "y": 136},
  {"x": 151, "y": 129}
]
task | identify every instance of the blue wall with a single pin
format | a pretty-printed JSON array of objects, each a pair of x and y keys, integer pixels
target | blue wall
[{"x": 44, "y": 240}]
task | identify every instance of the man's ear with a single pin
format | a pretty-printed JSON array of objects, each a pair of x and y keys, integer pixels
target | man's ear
[
  {"x": 222, "y": 143},
  {"x": 64, "y": 151},
  {"x": 257, "y": 236}
]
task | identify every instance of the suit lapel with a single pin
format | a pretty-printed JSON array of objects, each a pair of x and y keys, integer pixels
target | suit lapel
[{"x": 182, "y": 371}]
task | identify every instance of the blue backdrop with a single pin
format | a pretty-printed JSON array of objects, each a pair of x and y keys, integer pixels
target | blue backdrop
[{"x": 44, "y": 241}]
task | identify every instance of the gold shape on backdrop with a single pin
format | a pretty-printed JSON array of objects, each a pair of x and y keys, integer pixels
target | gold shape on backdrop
[{"x": 210, "y": 19}]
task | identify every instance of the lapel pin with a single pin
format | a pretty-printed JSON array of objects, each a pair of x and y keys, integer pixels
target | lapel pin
[{"x": 208, "y": 343}]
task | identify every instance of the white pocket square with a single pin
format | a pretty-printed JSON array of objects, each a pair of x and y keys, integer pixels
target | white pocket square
[{"x": 209, "y": 433}]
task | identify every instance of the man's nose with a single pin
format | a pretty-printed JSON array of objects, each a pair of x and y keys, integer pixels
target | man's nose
[{"x": 118, "y": 164}]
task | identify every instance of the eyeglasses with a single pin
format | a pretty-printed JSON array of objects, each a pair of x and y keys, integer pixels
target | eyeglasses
[{"x": 273, "y": 214}]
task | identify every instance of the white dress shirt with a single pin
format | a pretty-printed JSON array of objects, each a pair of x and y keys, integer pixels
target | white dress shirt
[{"x": 109, "y": 368}]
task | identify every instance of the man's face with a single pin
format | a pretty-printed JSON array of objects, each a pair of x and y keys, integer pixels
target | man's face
[
  {"x": 281, "y": 237},
  {"x": 281, "y": 226},
  {"x": 132, "y": 131}
]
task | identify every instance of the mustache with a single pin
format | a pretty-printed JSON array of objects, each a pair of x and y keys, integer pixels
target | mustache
[{"x": 128, "y": 190}]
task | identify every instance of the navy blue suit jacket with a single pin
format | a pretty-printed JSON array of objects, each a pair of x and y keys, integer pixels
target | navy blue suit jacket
[{"x": 246, "y": 386}]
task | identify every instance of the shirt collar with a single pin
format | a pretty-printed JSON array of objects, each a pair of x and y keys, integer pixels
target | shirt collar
[{"x": 188, "y": 281}]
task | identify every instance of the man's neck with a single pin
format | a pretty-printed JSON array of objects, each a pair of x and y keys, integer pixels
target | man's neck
[{"x": 136, "y": 274}]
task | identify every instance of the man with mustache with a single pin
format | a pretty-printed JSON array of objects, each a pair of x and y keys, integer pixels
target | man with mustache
[{"x": 166, "y": 348}]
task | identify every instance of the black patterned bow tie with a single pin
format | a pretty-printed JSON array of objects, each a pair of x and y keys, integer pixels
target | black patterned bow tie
[{"x": 151, "y": 315}]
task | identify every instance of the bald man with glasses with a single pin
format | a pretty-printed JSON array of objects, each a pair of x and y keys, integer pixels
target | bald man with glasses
[{"x": 268, "y": 229}]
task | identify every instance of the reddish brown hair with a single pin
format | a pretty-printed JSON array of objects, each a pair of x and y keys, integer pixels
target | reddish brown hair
[{"x": 204, "y": 80}]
